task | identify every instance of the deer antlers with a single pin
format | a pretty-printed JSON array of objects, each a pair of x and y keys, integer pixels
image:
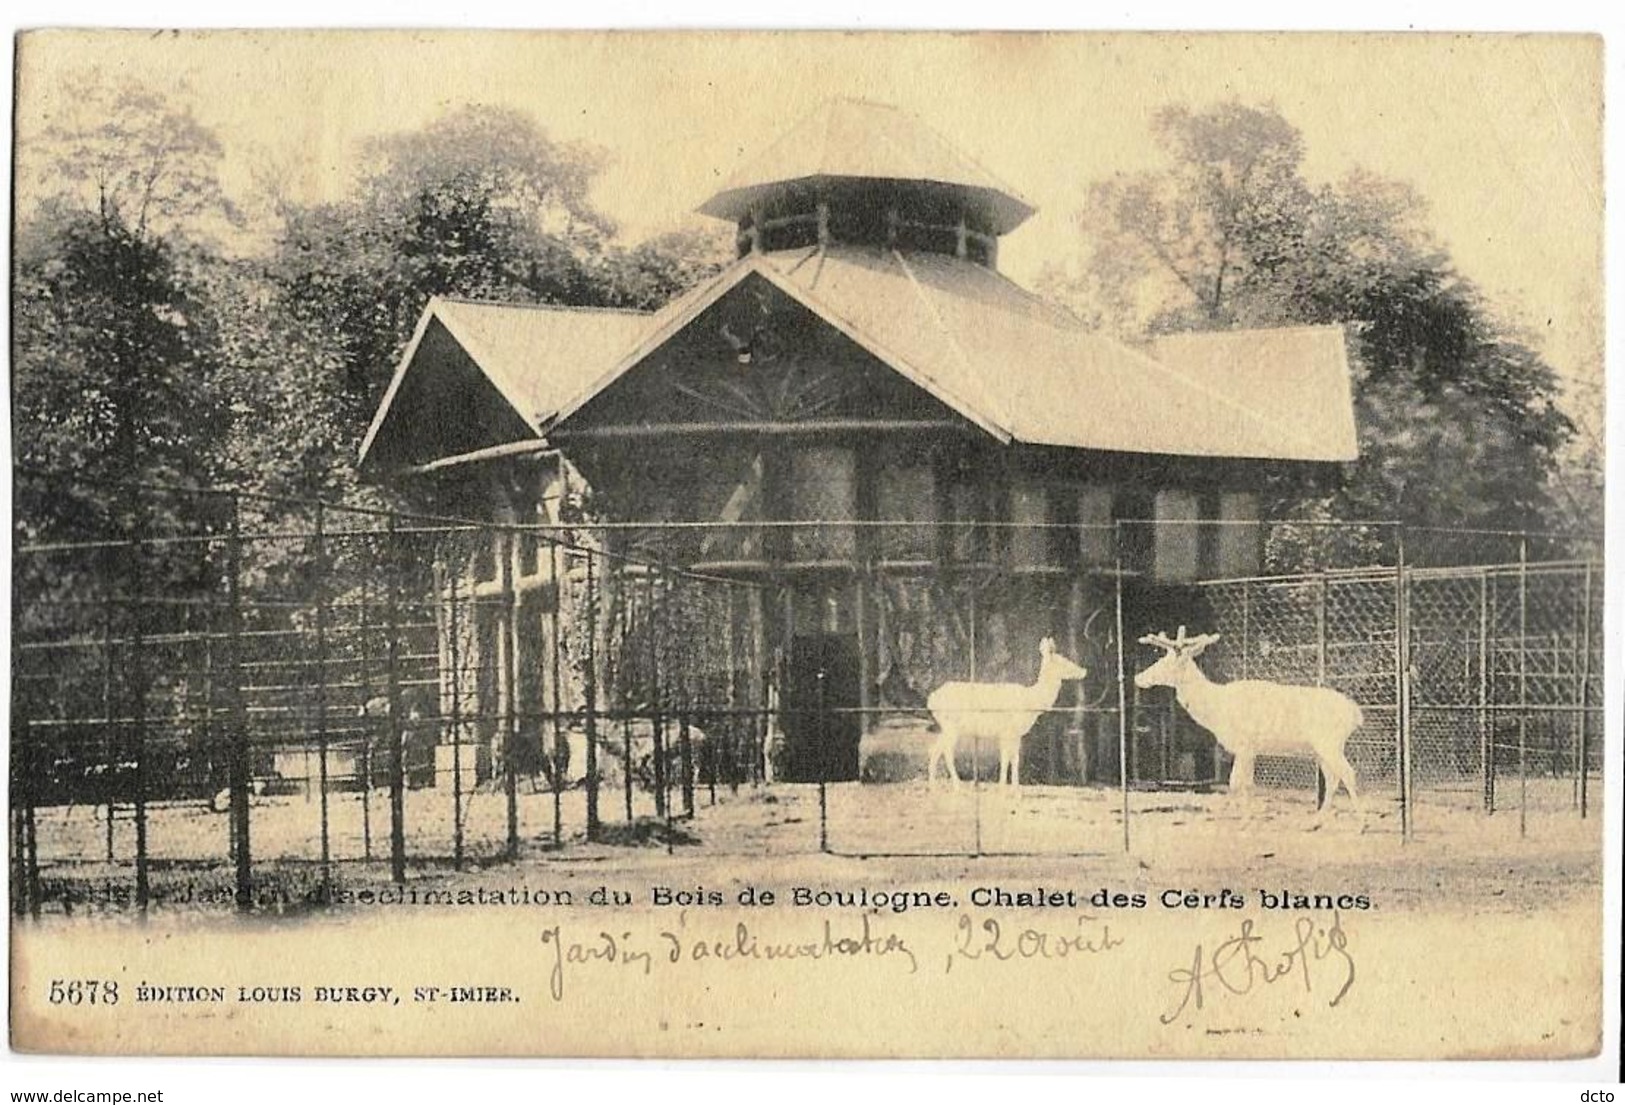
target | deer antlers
[{"x": 1180, "y": 645}]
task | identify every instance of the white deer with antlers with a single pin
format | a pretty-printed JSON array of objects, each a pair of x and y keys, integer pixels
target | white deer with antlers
[
  {"x": 1253, "y": 716},
  {"x": 1001, "y": 712}
]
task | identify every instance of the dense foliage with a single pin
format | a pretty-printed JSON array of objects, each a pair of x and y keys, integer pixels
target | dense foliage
[
  {"x": 154, "y": 342},
  {"x": 1458, "y": 417}
]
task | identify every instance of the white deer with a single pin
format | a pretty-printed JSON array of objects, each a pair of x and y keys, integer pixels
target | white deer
[
  {"x": 1252, "y": 716},
  {"x": 1002, "y": 712}
]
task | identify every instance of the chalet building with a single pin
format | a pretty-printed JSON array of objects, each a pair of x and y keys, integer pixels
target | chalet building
[{"x": 864, "y": 361}]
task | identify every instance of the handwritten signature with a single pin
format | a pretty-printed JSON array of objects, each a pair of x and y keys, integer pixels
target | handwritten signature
[
  {"x": 1241, "y": 963},
  {"x": 743, "y": 945}
]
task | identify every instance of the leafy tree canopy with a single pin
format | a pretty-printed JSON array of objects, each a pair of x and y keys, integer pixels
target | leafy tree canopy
[
  {"x": 1458, "y": 418},
  {"x": 480, "y": 204},
  {"x": 128, "y": 154},
  {"x": 114, "y": 376}
]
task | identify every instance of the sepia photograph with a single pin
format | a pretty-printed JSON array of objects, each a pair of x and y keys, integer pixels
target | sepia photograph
[{"x": 808, "y": 545}]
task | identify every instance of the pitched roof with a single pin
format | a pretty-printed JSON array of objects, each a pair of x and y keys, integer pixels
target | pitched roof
[
  {"x": 512, "y": 341},
  {"x": 1039, "y": 375},
  {"x": 1019, "y": 368},
  {"x": 539, "y": 357},
  {"x": 1295, "y": 372},
  {"x": 866, "y": 141}
]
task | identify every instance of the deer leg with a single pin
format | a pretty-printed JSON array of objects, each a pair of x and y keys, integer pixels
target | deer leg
[
  {"x": 1329, "y": 772},
  {"x": 1339, "y": 763},
  {"x": 944, "y": 749}
]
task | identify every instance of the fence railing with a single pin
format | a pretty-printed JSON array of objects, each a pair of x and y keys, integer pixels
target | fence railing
[
  {"x": 258, "y": 701},
  {"x": 1470, "y": 677}
]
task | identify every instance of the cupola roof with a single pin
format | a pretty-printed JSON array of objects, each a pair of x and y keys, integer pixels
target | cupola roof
[{"x": 861, "y": 141}]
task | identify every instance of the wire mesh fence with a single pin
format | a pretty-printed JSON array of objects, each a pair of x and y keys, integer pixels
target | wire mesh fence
[
  {"x": 263, "y": 702},
  {"x": 1472, "y": 679},
  {"x": 1505, "y": 698},
  {"x": 250, "y": 700},
  {"x": 1338, "y": 631}
]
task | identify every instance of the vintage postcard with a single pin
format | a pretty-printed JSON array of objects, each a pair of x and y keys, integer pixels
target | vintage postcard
[{"x": 808, "y": 544}]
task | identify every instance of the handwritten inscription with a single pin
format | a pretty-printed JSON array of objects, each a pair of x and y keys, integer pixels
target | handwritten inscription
[
  {"x": 985, "y": 940},
  {"x": 1315, "y": 956},
  {"x": 992, "y": 940},
  {"x": 1241, "y": 964},
  {"x": 744, "y": 944}
]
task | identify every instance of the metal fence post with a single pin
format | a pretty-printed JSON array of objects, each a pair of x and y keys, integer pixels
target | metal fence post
[
  {"x": 507, "y": 573},
  {"x": 621, "y": 632},
  {"x": 657, "y": 705},
  {"x": 30, "y": 835},
  {"x": 397, "y": 733},
  {"x": 455, "y": 635},
  {"x": 1577, "y": 642},
  {"x": 822, "y": 677},
  {"x": 666, "y": 706},
  {"x": 25, "y": 886},
  {"x": 136, "y": 674},
  {"x": 1246, "y": 625},
  {"x": 321, "y": 692},
  {"x": 1585, "y": 693},
  {"x": 729, "y": 729},
  {"x": 24, "y": 902},
  {"x": 21, "y": 779},
  {"x": 241, "y": 767},
  {"x": 590, "y": 680},
  {"x": 1523, "y": 686},
  {"x": 1486, "y": 745},
  {"x": 368, "y": 726},
  {"x": 1122, "y": 678},
  {"x": 685, "y": 754},
  {"x": 109, "y": 660},
  {"x": 1402, "y": 686},
  {"x": 1320, "y": 674},
  {"x": 561, "y": 746}
]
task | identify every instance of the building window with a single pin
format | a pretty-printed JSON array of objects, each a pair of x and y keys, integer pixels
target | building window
[
  {"x": 790, "y": 232},
  {"x": 1136, "y": 532},
  {"x": 858, "y": 220},
  {"x": 1178, "y": 537},
  {"x": 733, "y": 502},
  {"x": 905, "y": 497},
  {"x": 1095, "y": 537},
  {"x": 823, "y": 489},
  {"x": 1240, "y": 539},
  {"x": 1031, "y": 540},
  {"x": 964, "y": 502}
]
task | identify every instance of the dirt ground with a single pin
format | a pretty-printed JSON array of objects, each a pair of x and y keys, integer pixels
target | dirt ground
[{"x": 890, "y": 834}]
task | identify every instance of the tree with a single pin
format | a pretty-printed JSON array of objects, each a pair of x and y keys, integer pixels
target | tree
[
  {"x": 456, "y": 209},
  {"x": 653, "y": 272},
  {"x": 116, "y": 387},
  {"x": 113, "y": 376},
  {"x": 480, "y": 204},
  {"x": 127, "y": 154},
  {"x": 1459, "y": 423}
]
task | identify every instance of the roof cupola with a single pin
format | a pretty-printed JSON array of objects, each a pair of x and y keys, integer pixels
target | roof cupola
[{"x": 860, "y": 173}]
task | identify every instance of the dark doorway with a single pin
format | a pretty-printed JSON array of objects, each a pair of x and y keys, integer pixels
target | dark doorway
[{"x": 821, "y": 725}]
